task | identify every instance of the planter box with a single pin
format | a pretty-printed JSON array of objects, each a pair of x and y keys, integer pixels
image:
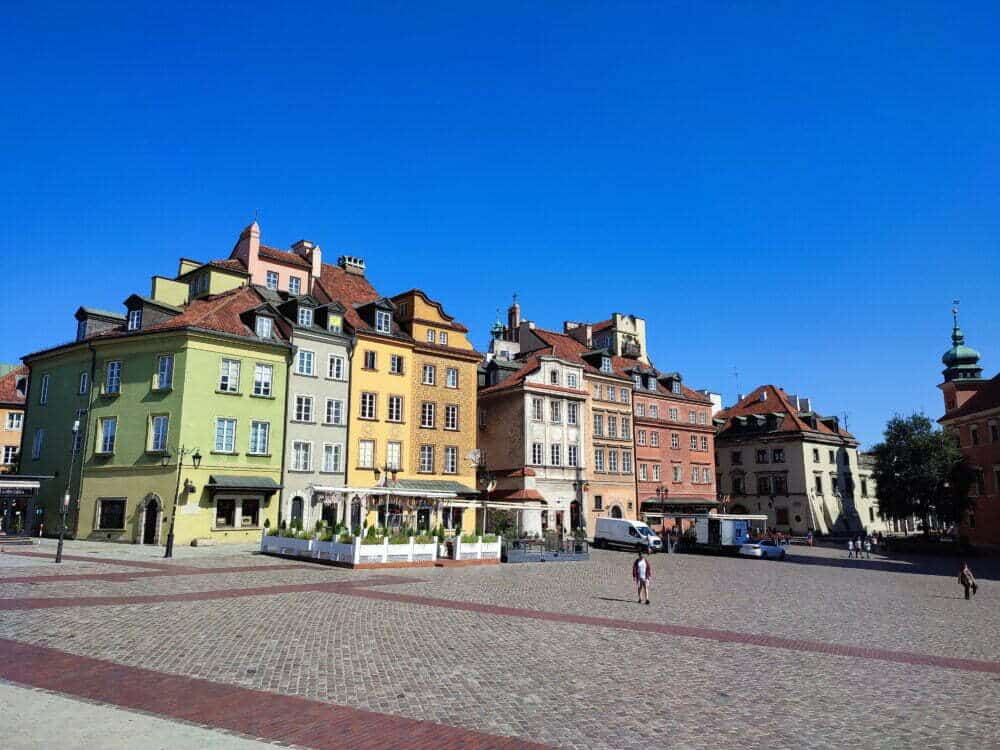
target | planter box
[
  {"x": 478, "y": 550},
  {"x": 353, "y": 554},
  {"x": 285, "y": 545}
]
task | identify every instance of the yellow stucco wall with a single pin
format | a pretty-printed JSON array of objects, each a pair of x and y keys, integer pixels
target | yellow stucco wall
[{"x": 8, "y": 437}]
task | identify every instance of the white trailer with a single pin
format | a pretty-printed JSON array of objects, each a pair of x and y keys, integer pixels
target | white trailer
[{"x": 717, "y": 532}]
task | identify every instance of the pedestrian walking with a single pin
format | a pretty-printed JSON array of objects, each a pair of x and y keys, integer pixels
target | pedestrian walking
[
  {"x": 850, "y": 548},
  {"x": 968, "y": 580},
  {"x": 642, "y": 572},
  {"x": 868, "y": 548}
]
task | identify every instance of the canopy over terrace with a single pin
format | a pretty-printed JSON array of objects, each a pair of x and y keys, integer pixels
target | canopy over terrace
[
  {"x": 670, "y": 512},
  {"x": 420, "y": 503}
]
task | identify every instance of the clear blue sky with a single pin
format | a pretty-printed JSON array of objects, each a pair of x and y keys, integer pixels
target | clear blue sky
[{"x": 793, "y": 190}]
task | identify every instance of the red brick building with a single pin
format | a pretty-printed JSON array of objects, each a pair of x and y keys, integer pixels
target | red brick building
[{"x": 972, "y": 411}]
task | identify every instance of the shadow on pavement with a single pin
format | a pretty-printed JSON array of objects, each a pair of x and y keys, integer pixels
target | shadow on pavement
[{"x": 983, "y": 568}]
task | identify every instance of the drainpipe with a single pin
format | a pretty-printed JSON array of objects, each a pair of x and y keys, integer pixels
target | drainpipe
[{"x": 284, "y": 433}]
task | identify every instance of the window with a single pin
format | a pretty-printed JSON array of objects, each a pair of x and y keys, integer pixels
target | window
[
  {"x": 366, "y": 454},
  {"x": 395, "y": 409},
  {"x": 451, "y": 377},
  {"x": 613, "y": 461},
  {"x": 272, "y": 281},
  {"x": 675, "y": 440},
  {"x": 225, "y": 435},
  {"x": 335, "y": 367},
  {"x": 37, "y": 442},
  {"x": 429, "y": 375},
  {"x": 572, "y": 381},
  {"x": 334, "y": 411},
  {"x": 301, "y": 455},
  {"x": 81, "y": 417},
  {"x": 294, "y": 285},
  {"x": 819, "y": 484},
  {"x": 694, "y": 442},
  {"x": 606, "y": 364},
  {"x": 250, "y": 512},
  {"x": 640, "y": 410},
  {"x": 626, "y": 428},
  {"x": 304, "y": 362},
  {"x": 702, "y": 417},
  {"x": 864, "y": 487},
  {"x": 370, "y": 362},
  {"x": 778, "y": 455},
  {"x": 158, "y": 425},
  {"x": 612, "y": 426},
  {"x": 225, "y": 513},
  {"x": 598, "y": 459},
  {"x": 394, "y": 455},
  {"x": 536, "y": 454},
  {"x": 368, "y": 403},
  {"x": 611, "y": 393},
  {"x": 833, "y": 460},
  {"x": 643, "y": 472},
  {"x": 597, "y": 391},
  {"x": 431, "y": 335},
  {"x": 229, "y": 376},
  {"x": 164, "y": 372},
  {"x": 536, "y": 409},
  {"x": 134, "y": 320},
  {"x": 426, "y": 459},
  {"x": 598, "y": 502},
  {"x": 555, "y": 412},
  {"x": 704, "y": 442},
  {"x": 334, "y": 323},
  {"x": 637, "y": 380},
  {"x": 43, "y": 396},
  {"x": 260, "y": 433},
  {"x": 693, "y": 417},
  {"x": 451, "y": 417},
  {"x": 443, "y": 338},
  {"x": 262, "y": 375},
  {"x": 482, "y": 418},
  {"x": 627, "y": 462},
  {"x": 640, "y": 437},
  {"x": 656, "y": 472},
  {"x": 654, "y": 411},
  {"x": 306, "y": 317},
  {"x": 15, "y": 420},
  {"x": 263, "y": 326},
  {"x": 762, "y": 456},
  {"x": 333, "y": 458},
  {"x": 738, "y": 486},
  {"x": 572, "y": 455},
  {"x": 303, "y": 409},
  {"x": 598, "y": 425},
  {"x": 427, "y": 410},
  {"x": 673, "y": 414},
  {"x": 678, "y": 473},
  {"x": 815, "y": 455},
  {"x": 624, "y": 395},
  {"x": 111, "y": 513},
  {"x": 84, "y": 383},
  {"x": 572, "y": 413},
  {"x": 763, "y": 485},
  {"x": 383, "y": 321},
  {"x": 108, "y": 433},
  {"x": 9, "y": 454},
  {"x": 974, "y": 435},
  {"x": 780, "y": 485},
  {"x": 675, "y": 386},
  {"x": 555, "y": 454},
  {"x": 451, "y": 460}
]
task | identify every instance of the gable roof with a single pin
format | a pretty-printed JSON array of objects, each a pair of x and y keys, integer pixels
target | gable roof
[
  {"x": 769, "y": 399},
  {"x": 8, "y": 390},
  {"x": 283, "y": 256},
  {"x": 349, "y": 289},
  {"x": 987, "y": 397}
]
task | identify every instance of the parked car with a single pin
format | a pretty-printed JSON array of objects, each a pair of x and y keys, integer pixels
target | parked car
[
  {"x": 766, "y": 549},
  {"x": 622, "y": 532}
]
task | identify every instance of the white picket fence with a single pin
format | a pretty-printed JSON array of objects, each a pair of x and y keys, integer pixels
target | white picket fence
[{"x": 357, "y": 553}]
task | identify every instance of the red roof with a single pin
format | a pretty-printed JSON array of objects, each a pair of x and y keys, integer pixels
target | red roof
[
  {"x": 220, "y": 312},
  {"x": 349, "y": 289},
  {"x": 283, "y": 256},
  {"x": 595, "y": 327},
  {"x": 986, "y": 397},
  {"x": 769, "y": 399},
  {"x": 516, "y": 495},
  {"x": 231, "y": 264},
  {"x": 8, "y": 383}
]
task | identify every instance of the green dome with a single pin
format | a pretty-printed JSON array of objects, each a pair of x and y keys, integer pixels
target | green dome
[{"x": 959, "y": 354}]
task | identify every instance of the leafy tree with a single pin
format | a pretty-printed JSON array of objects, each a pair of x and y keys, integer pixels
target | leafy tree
[{"x": 919, "y": 470}]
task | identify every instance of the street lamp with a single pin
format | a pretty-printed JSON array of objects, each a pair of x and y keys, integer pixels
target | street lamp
[
  {"x": 69, "y": 479},
  {"x": 165, "y": 460}
]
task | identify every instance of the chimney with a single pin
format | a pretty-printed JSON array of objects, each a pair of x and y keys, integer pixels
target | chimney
[
  {"x": 352, "y": 265},
  {"x": 582, "y": 332},
  {"x": 247, "y": 247},
  {"x": 311, "y": 252},
  {"x": 805, "y": 404}
]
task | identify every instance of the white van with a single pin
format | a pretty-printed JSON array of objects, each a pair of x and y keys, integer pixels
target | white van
[{"x": 621, "y": 532}]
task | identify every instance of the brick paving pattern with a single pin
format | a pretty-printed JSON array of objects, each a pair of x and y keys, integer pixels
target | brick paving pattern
[{"x": 815, "y": 652}]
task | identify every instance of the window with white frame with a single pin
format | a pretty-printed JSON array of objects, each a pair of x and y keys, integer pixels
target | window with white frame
[
  {"x": 443, "y": 338},
  {"x": 704, "y": 442},
  {"x": 426, "y": 459},
  {"x": 627, "y": 462},
  {"x": 626, "y": 428},
  {"x": 333, "y": 458},
  {"x": 702, "y": 417},
  {"x": 9, "y": 454},
  {"x": 113, "y": 377},
  {"x": 554, "y": 377},
  {"x": 427, "y": 414},
  {"x": 394, "y": 455},
  {"x": 572, "y": 381},
  {"x": 643, "y": 472},
  {"x": 84, "y": 383},
  {"x": 611, "y": 393},
  {"x": 537, "y": 454},
  {"x": 43, "y": 395},
  {"x": 294, "y": 285},
  {"x": 260, "y": 434},
  {"x": 598, "y": 459},
  {"x": 395, "y": 413},
  {"x": 334, "y": 411},
  {"x": 15, "y": 420},
  {"x": 654, "y": 411},
  {"x": 673, "y": 415},
  {"x": 305, "y": 362},
  {"x": 656, "y": 472},
  {"x": 37, "y": 442},
  {"x": 693, "y": 417},
  {"x": 451, "y": 460},
  {"x": 134, "y": 319},
  {"x": 428, "y": 374},
  {"x": 451, "y": 377},
  {"x": 158, "y": 425},
  {"x": 655, "y": 439},
  {"x": 263, "y": 326},
  {"x": 431, "y": 335},
  {"x": 536, "y": 410},
  {"x": 383, "y": 321},
  {"x": 613, "y": 461},
  {"x": 572, "y": 455},
  {"x": 229, "y": 375},
  {"x": 597, "y": 391},
  {"x": 262, "y": 379},
  {"x": 555, "y": 412},
  {"x": 451, "y": 417},
  {"x": 107, "y": 434},
  {"x": 371, "y": 361},
  {"x": 598, "y": 425},
  {"x": 637, "y": 380},
  {"x": 303, "y": 409},
  {"x": 694, "y": 442},
  {"x": 694, "y": 474},
  {"x": 706, "y": 475},
  {"x": 306, "y": 317},
  {"x": 640, "y": 437},
  {"x": 677, "y": 473},
  {"x": 165, "y": 371},
  {"x": 335, "y": 367},
  {"x": 572, "y": 413},
  {"x": 272, "y": 281},
  {"x": 675, "y": 386},
  {"x": 225, "y": 435},
  {"x": 366, "y": 454},
  {"x": 624, "y": 395},
  {"x": 395, "y": 364},
  {"x": 612, "y": 426},
  {"x": 650, "y": 383},
  {"x": 675, "y": 440},
  {"x": 301, "y": 455},
  {"x": 606, "y": 364},
  {"x": 555, "y": 454},
  {"x": 640, "y": 410},
  {"x": 368, "y": 405}
]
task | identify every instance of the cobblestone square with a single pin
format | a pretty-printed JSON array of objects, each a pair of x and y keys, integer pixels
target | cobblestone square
[{"x": 816, "y": 651}]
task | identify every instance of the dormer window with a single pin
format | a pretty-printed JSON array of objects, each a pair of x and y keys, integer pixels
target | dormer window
[
  {"x": 637, "y": 380},
  {"x": 335, "y": 324},
  {"x": 606, "y": 364},
  {"x": 305, "y": 317},
  {"x": 263, "y": 326},
  {"x": 135, "y": 319},
  {"x": 383, "y": 321},
  {"x": 675, "y": 386},
  {"x": 651, "y": 382}
]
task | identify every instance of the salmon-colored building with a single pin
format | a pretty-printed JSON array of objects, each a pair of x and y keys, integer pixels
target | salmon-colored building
[{"x": 13, "y": 387}]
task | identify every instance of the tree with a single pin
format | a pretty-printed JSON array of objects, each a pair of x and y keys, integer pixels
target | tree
[{"x": 919, "y": 470}]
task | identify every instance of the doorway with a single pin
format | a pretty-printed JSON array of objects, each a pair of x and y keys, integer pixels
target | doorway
[
  {"x": 616, "y": 511},
  {"x": 297, "y": 512},
  {"x": 151, "y": 522},
  {"x": 575, "y": 521}
]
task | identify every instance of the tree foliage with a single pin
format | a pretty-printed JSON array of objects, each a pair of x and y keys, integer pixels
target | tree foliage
[{"x": 920, "y": 471}]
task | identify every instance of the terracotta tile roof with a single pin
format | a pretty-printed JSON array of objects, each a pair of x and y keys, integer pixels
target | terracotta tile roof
[
  {"x": 220, "y": 312},
  {"x": 987, "y": 397},
  {"x": 530, "y": 366},
  {"x": 283, "y": 256},
  {"x": 604, "y": 324},
  {"x": 8, "y": 391},
  {"x": 517, "y": 495},
  {"x": 230, "y": 264},
  {"x": 350, "y": 290},
  {"x": 776, "y": 401}
]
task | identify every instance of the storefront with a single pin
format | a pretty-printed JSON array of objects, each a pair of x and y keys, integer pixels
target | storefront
[{"x": 18, "y": 512}]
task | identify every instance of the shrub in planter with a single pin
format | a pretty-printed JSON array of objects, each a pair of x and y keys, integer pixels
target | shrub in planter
[
  {"x": 489, "y": 537},
  {"x": 304, "y": 535},
  {"x": 319, "y": 525},
  {"x": 346, "y": 538},
  {"x": 470, "y": 538},
  {"x": 425, "y": 539},
  {"x": 579, "y": 533},
  {"x": 401, "y": 537},
  {"x": 267, "y": 524}
]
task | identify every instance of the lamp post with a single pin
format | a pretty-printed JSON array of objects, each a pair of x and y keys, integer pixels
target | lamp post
[
  {"x": 69, "y": 480},
  {"x": 165, "y": 460}
]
